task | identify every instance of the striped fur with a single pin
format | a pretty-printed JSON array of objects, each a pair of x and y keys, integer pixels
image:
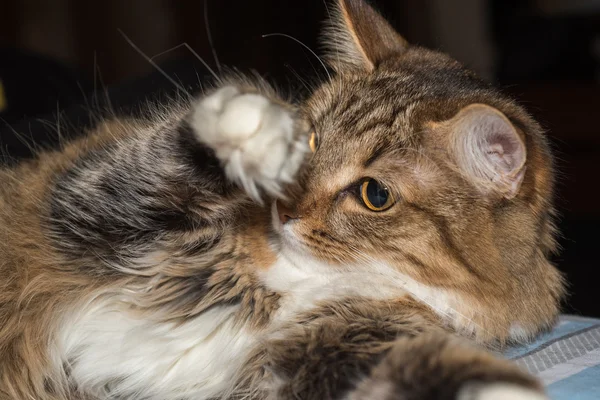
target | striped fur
[{"x": 147, "y": 259}]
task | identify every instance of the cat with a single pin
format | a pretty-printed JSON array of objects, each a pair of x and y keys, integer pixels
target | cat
[{"x": 367, "y": 242}]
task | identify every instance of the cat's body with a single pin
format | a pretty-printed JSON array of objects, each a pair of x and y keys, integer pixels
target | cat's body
[{"x": 139, "y": 262}]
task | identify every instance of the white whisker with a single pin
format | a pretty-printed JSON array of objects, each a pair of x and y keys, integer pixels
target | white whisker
[
  {"x": 302, "y": 44},
  {"x": 189, "y": 48},
  {"x": 209, "y": 36},
  {"x": 109, "y": 104},
  {"x": 303, "y": 81},
  {"x": 159, "y": 69},
  {"x": 337, "y": 49}
]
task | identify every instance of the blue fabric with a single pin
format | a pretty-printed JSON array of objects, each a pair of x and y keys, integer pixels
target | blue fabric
[
  {"x": 584, "y": 385},
  {"x": 566, "y": 360}
]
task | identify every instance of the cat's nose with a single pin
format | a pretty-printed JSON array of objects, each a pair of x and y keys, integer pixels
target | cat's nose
[{"x": 285, "y": 214}]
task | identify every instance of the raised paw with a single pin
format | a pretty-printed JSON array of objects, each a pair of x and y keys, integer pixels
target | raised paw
[{"x": 260, "y": 142}]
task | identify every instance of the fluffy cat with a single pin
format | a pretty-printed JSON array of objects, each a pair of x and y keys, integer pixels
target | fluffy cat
[{"x": 365, "y": 243}]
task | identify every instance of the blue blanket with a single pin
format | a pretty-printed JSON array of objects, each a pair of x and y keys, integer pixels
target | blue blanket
[{"x": 567, "y": 359}]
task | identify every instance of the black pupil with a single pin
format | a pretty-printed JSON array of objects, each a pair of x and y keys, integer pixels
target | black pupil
[{"x": 377, "y": 194}]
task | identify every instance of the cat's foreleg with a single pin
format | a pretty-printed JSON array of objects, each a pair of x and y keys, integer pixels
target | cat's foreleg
[
  {"x": 438, "y": 366},
  {"x": 372, "y": 351},
  {"x": 188, "y": 170}
]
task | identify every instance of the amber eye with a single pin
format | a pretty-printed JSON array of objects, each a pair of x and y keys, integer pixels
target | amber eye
[
  {"x": 375, "y": 196},
  {"x": 313, "y": 142}
]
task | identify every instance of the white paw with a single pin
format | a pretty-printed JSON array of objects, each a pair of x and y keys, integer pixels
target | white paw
[
  {"x": 253, "y": 137},
  {"x": 498, "y": 391}
]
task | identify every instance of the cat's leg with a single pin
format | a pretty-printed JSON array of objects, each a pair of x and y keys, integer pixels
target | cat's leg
[
  {"x": 260, "y": 141},
  {"x": 187, "y": 170},
  {"x": 378, "y": 351},
  {"x": 437, "y": 366}
]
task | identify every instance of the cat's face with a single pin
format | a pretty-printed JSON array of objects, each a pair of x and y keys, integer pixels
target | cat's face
[{"x": 421, "y": 167}]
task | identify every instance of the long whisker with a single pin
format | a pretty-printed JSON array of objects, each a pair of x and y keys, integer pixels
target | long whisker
[
  {"x": 337, "y": 49},
  {"x": 303, "y": 45},
  {"x": 300, "y": 79},
  {"x": 202, "y": 61},
  {"x": 159, "y": 69},
  {"x": 331, "y": 19},
  {"x": 189, "y": 48},
  {"x": 209, "y": 36},
  {"x": 95, "y": 75},
  {"x": 59, "y": 132},
  {"x": 167, "y": 51},
  {"x": 109, "y": 104},
  {"x": 30, "y": 144}
]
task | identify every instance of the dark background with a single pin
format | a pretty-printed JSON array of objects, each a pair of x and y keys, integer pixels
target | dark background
[{"x": 546, "y": 53}]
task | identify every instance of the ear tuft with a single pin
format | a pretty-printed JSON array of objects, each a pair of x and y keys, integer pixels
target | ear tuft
[
  {"x": 357, "y": 36},
  {"x": 488, "y": 149}
]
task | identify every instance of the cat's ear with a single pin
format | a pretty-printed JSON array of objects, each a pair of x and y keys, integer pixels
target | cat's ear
[
  {"x": 358, "y": 37},
  {"x": 488, "y": 149}
]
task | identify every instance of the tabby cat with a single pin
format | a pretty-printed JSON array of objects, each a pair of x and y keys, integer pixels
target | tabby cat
[{"x": 365, "y": 243}]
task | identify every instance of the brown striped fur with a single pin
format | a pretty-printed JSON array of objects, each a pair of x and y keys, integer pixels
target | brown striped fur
[{"x": 140, "y": 214}]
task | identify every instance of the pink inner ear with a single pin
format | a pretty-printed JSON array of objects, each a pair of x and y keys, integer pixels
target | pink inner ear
[
  {"x": 505, "y": 151},
  {"x": 490, "y": 150}
]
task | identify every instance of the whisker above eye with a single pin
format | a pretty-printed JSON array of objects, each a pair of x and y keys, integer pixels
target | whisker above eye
[
  {"x": 209, "y": 36},
  {"x": 154, "y": 64},
  {"x": 303, "y": 45}
]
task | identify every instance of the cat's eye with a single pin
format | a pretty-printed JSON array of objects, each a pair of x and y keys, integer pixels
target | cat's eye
[
  {"x": 375, "y": 196},
  {"x": 313, "y": 142}
]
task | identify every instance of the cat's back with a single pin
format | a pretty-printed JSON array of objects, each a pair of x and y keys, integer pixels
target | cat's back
[
  {"x": 36, "y": 285},
  {"x": 24, "y": 290},
  {"x": 29, "y": 265},
  {"x": 23, "y": 246},
  {"x": 26, "y": 188},
  {"x": 20, "y": 205}
]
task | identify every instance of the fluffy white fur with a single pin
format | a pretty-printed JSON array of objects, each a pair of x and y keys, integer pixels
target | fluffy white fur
[
  {"x": 498, "y": 391},
  {"x": 111, "y": 350},
  {"x": 253, "y": 136}
]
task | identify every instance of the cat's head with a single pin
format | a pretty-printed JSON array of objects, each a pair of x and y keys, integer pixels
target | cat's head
[{"x": 423, "y": 172}]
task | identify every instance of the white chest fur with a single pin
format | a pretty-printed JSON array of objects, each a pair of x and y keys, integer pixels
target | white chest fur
[
  {"x": 306, "y": 282},
  {"x": 112, "y": 354}
]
